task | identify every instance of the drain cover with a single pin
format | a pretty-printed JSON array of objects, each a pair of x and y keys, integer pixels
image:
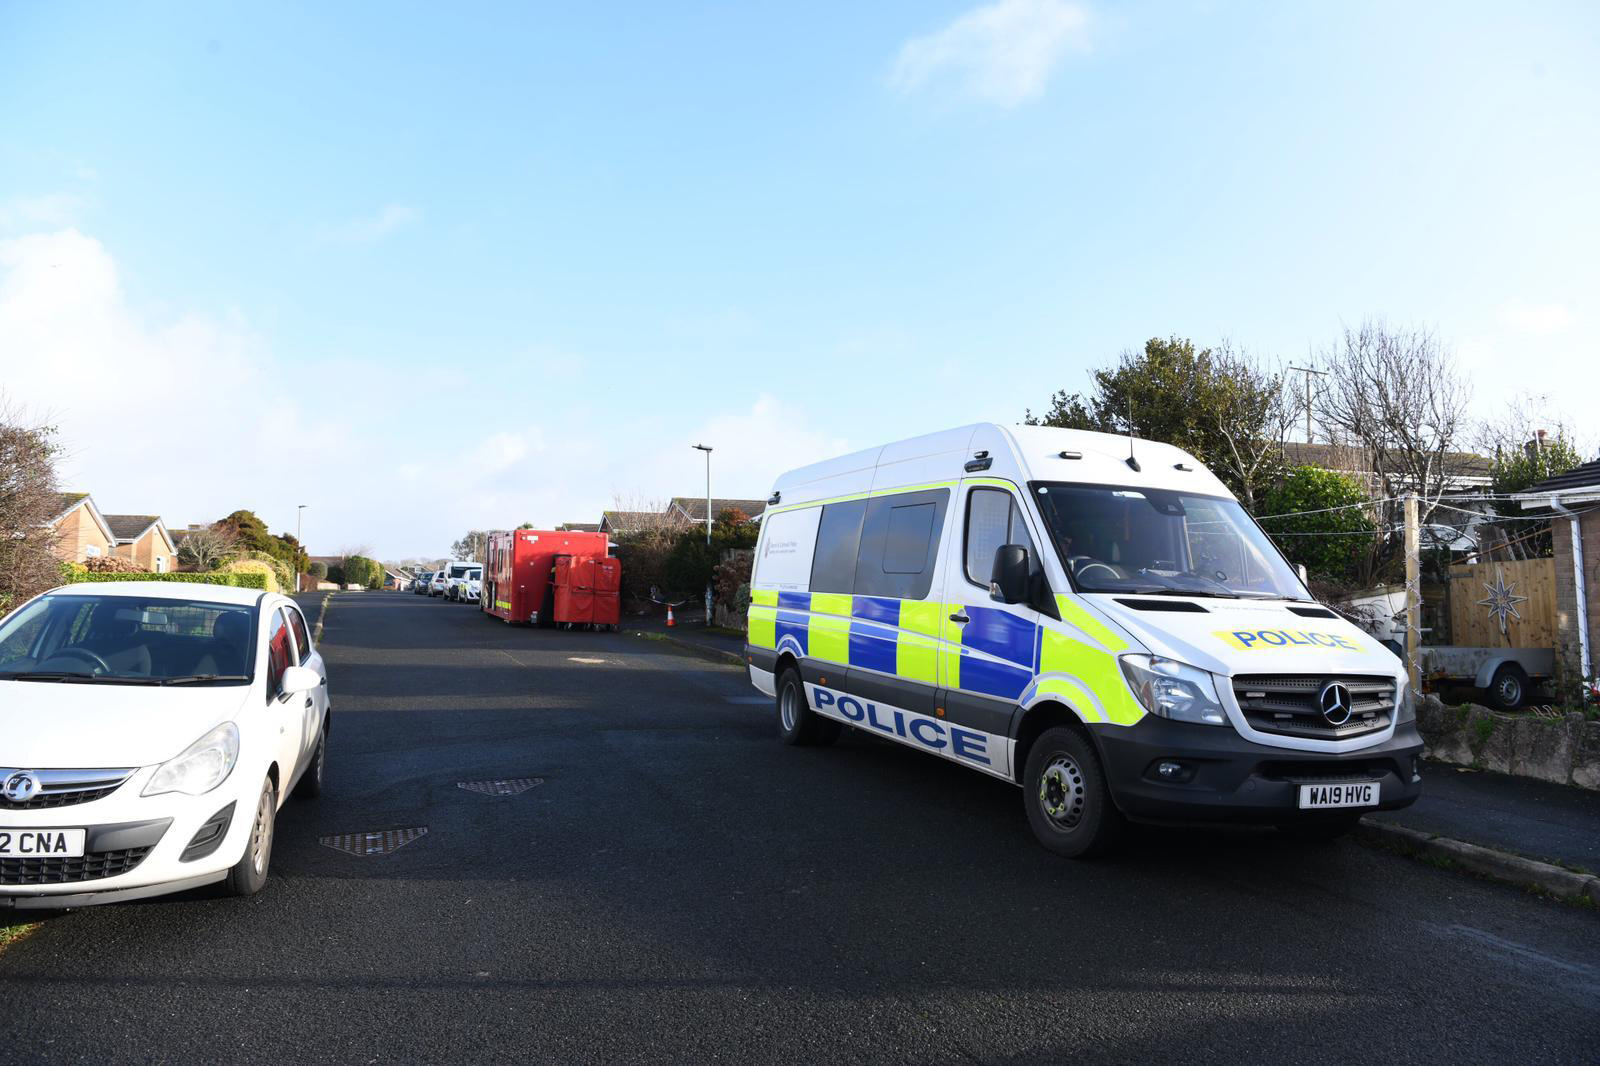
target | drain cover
[
  {"x": 382, "y": 842},
  {"x": 515, "y": 786}
]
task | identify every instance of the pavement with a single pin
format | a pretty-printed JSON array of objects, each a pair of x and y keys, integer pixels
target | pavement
[
  {"x": 681, "y": 886},
  {"x": 1535, "y": 819}
]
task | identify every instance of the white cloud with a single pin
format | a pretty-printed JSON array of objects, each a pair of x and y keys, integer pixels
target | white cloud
[
  {"x": 369, "y": 228},
  {"x": 1538, "y": 319},
  {"x": 1003, "y": 52}
]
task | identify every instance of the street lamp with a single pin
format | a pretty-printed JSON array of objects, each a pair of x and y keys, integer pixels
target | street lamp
[
  {"x": 299, "y": 540},
  {"x": 707, "y": 449}
]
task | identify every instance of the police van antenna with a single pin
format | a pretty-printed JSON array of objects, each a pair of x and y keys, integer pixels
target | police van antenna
[{"x": 1132, "y": 462}]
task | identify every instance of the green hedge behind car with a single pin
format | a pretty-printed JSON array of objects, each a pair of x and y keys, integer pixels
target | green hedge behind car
[{"x": 72, "y": 575}]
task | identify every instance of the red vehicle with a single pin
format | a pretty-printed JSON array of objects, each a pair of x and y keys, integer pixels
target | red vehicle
[
  {"x": 587, "y": 592},
  {"x": 518, "y": 566}
]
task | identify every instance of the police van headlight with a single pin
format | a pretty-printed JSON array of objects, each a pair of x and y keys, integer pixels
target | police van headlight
[{"x": 1173, "y": 690}]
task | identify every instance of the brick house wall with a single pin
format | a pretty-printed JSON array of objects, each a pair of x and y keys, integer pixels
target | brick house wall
[
  {"x": 1567, "y": 646},
  {"x": 77, "y": 533},
  {"x": 145, "y": 552}
]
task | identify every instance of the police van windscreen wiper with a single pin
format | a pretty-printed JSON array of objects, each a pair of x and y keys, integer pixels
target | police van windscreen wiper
[{"x": 189, "y": 679}]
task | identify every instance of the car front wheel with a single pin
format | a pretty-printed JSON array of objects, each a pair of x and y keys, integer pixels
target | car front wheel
[{"x": 250, "y": 872}]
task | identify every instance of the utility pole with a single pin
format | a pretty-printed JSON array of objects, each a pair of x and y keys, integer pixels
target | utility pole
[
  {"x": 1413, "y": 597},
  {"x": 1308, "y": 371},
  {"x": 707, "y": 449},
  {"x": 299, "y": 516}
]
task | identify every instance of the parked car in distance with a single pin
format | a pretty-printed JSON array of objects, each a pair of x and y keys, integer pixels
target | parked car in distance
[
  {"x": 149, "y": 734},
  {"x": 419, "y": 584},
  {"x": 440, "y": 586},
  {"x": 437, "y": 584},
  {"x": 464, "y": 589}
]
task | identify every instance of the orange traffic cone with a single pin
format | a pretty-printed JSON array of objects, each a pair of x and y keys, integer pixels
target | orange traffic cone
[{"x": 670, "y": 622}]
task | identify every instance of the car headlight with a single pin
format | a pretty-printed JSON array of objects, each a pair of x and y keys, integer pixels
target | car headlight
[
  {"x": 203, "y": 766},
  {"x": 1173, "y": 690}
]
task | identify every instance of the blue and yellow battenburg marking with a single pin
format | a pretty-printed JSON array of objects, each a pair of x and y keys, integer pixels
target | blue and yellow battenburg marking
[
  {"x": 945, "y": 738},
  {"x": 995, "y": 652},
  {"x": 1258, "y": 639}
]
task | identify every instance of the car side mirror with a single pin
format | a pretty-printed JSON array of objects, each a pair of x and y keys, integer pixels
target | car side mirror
[
  {"x": 298, "y": 679},
  {"x": 1008, "y": 582}
]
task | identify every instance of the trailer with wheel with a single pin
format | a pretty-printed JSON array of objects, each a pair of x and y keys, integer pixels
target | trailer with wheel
[
  {"x": 1506, "y": 676},
  {"x": 517, "y": 570}
]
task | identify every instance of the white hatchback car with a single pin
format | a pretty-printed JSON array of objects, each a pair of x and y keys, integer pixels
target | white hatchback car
[{"x": 149, "y": 733}]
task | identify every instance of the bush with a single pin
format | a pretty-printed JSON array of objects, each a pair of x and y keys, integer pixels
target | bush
[
  {"x": 265, "y": 570},
  {"x": 318, "y": 571},
  {"x": 111, "y": 564},
  {"x": 1328, "y": 543},
  {"x": 72, "y": 574}
]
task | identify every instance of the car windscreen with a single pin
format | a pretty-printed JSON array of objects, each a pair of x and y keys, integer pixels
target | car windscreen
[
  {"x": 128, "y": 640},
  {"x": 1142, "y": 540}
]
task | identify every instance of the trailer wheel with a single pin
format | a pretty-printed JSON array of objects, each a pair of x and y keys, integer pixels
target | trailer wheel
[{"x": 1509, "y": 687}]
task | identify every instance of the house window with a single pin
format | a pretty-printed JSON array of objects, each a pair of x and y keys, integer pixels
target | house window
[
  {"x": 91, "y": 551},
  {"x": 161, "y": 564}
]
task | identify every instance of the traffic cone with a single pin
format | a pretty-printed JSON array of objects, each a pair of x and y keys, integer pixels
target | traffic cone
[{"x": 670, "y": 622}]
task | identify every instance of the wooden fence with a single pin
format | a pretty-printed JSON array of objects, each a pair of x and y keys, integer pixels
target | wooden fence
[{"x": 1504, "y": 605}]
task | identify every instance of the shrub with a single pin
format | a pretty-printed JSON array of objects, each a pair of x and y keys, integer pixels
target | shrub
[
  {"x": 318, "y": 571},
  {"x": 1328, "y": 542},
  {"x": 264, "y": 570},
  {"x": 111, "y": 564},
  {"x": 72, "y": 575}
]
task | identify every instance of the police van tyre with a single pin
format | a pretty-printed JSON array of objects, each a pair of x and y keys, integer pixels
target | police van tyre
[
  {"x": 1509, "y": 687},
  {"x": 1064, "y": 790},
  {"x": 797, "y": 722}
]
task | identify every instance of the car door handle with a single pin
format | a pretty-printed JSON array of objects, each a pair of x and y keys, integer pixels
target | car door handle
[{"x": 959, "y": 616}]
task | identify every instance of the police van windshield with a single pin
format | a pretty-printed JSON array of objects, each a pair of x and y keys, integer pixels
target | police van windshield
[{"x": 1141, "y": 540}]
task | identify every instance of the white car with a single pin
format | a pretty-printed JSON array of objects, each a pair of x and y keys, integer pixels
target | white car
[{"x": 149, "y": 733}]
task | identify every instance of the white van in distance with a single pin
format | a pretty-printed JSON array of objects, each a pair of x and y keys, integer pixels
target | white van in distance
[{"x": 1095, "y": 619}]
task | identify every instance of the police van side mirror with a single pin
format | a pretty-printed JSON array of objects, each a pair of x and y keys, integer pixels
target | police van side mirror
[{"x": 1008, "y": 582}]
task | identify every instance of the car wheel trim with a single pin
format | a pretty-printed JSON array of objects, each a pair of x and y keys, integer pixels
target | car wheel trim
[{"x": 261, "y": 833}]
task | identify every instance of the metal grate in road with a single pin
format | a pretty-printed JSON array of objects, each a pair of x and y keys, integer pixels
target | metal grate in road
[
  {"x": 381, "y": 842},
  {"x": 515, "y": 786}
]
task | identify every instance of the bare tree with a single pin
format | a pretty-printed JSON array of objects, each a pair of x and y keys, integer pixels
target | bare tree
[
  {"x": 472, "y": 547},
  {"x": 1398, "y": 396},
  {"x": 1249, "y": 411},
  {"x": 29, "y": 503},
  {"x": 208, "y": 547}
]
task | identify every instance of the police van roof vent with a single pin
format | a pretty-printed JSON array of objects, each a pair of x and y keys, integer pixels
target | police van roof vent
[
  {"x": 979, "y": 461},
  {"x": 1070, "y": 455}
]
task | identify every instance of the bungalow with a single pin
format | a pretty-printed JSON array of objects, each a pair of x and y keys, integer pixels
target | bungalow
[
  {"x": 1574, "y": 499},
  {"x": 143, "y": 540},
  {"x": 620, "y": 523},
  {"x": 81, "y": 530},
  {"x": 693, "y": 510}
]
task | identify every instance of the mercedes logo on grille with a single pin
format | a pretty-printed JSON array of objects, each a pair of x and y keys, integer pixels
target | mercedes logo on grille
[
  {"x": 1336, "y": 703},
  {"x": 20, "y": 787}
]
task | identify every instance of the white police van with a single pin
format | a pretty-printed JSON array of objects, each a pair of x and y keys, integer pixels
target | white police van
[{"x": 1095, "y": 619}]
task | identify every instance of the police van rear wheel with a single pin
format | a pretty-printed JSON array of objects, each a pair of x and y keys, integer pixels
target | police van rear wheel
[
  {"x": 797, "y": 722},
  {"x": 1064, "y": 789}
]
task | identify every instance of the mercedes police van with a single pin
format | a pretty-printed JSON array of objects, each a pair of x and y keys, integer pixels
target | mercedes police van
[{"x": 1093, "y": 618}]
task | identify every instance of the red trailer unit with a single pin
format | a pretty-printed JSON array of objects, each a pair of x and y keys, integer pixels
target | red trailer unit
[
  {"x": 517, "y": 570},
  {"x": 587, "y": 591}
]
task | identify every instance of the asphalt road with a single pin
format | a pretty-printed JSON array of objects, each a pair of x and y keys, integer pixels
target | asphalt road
[{"x": 682, "y": 887}]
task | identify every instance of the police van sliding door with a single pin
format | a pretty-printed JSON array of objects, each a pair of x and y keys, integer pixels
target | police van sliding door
[
  {"x": 892, "y": 609},
  {"x": 988, "y": 649}
]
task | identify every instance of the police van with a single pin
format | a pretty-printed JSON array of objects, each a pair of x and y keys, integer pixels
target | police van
[{"x": 1093, "y": 618}]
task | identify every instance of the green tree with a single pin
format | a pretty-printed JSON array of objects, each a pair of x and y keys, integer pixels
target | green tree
[
  {"x": 251, "y": 535},
  {"x": 1218, "y": 404},
  {"x": 1516, "y": 469},
  {"x": 1329, "y": 542}
]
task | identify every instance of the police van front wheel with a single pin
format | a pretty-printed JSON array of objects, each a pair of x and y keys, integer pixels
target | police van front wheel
[
  {"x": 797, "y": 722},
  {"x": 1064, "y": 790}
]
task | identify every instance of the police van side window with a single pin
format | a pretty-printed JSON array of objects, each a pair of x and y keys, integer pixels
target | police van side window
[
  {"x": 833, "y": 568},
  {"x": 900, "y": 544},
  {"x": 993, "y": 520}
]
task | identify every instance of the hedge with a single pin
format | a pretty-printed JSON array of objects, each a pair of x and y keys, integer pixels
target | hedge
[{"x": 74, "y": 576}]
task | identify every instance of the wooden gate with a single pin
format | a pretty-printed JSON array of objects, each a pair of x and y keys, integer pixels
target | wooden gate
[{"x": 1504, "y": 605}]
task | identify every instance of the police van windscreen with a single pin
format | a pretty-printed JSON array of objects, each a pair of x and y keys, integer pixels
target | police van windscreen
[{"x": 1142, "y": 540}]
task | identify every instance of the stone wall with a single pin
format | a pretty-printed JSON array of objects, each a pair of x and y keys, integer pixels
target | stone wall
[{"x": 1564, "y": 750}]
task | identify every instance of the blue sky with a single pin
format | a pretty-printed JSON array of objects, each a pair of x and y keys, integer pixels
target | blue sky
[{"x": 425, "y": 270}]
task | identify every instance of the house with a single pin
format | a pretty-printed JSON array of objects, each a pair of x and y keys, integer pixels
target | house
[
  {"x": 693, "y": 510},
  {"x": 1464, "y": 471},
  {"x": 143, "y": 540},
  {"x": 621, "y": 523},
  {"x": 81, "y": 530},
  {"x": 396, "y": 578},
  {"x": 578, "y": 527},
  {"x": 1574, "y": 499}
]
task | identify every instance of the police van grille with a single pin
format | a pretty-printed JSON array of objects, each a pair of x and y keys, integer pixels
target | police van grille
[
  {"x": 91, "y": 867},
  {"x": 1289, "y": 705}
]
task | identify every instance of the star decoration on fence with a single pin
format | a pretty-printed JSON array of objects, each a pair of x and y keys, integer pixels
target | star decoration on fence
[{"x": 1502, "y": 600}]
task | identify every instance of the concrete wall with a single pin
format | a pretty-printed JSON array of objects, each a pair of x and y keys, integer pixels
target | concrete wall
[
  {"x": 1565, "y": 750},
  {"x": 78, "y": 532},
  {"x": 1566, "y": 592}
]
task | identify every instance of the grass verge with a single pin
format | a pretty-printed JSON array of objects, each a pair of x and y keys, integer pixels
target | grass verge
[{"x": 11, "y": 934}]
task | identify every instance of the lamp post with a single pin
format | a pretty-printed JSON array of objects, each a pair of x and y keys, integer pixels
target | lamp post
[
  {"x": 707, "y": 449},
  {"x": 299, "y": 516}
]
